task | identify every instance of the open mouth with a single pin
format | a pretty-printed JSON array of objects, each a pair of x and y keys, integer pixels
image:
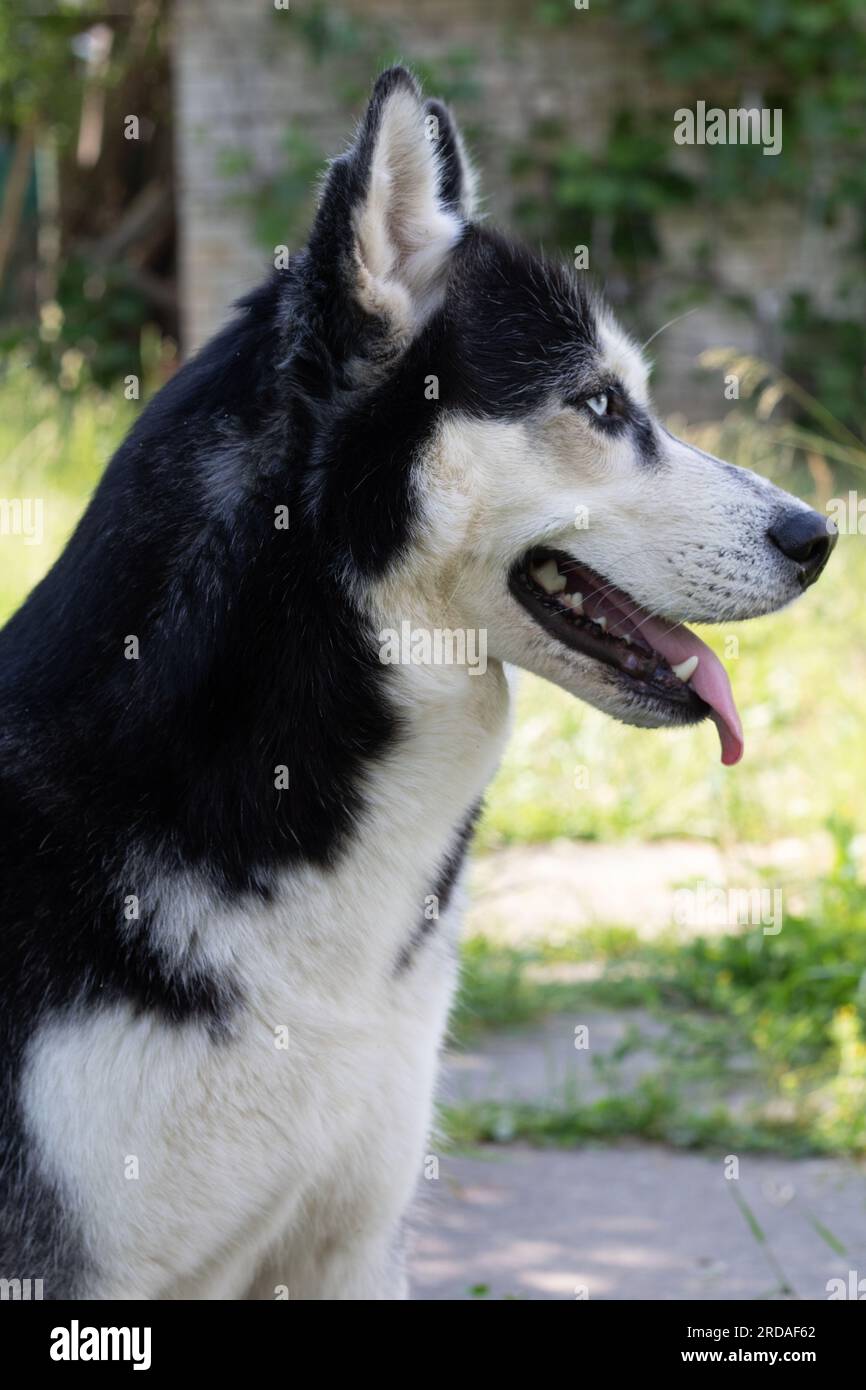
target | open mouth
[{"x": 662, "y": 663}]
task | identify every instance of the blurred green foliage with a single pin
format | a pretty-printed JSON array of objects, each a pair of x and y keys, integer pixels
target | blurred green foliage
[
  {"x": 568, "y": 196},
  {"x": 805, "y": 58},
  {"x": 95, "y": 309},
  {"x": 828, "y": 356},
  {"x": 351, "y": 48},
  {"x": 96, "y": 315},
  {"x": 39, "y": 77},
  {"x": 56, "y": 436}
]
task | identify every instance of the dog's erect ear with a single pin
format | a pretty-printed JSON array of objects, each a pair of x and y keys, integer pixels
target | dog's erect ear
[
  {"x": 457, "y": 181},
  {"x": 394, "y": 207}
]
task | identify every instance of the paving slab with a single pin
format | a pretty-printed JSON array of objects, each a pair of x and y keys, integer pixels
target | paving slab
[
  {"x": 635, "y": 1221},
  {"x": 528, "y": 892},
  {"x": 541, "y": 1063}
]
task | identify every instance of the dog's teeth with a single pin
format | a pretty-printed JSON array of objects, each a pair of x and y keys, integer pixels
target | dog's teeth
[
  {"x": 601, "y": 622},
  {"x": 627, "y": 639},
  {"x": 548, "y": 576},
  {"x": 686, "y": 669},
  {"x": 574, "y": 601}
]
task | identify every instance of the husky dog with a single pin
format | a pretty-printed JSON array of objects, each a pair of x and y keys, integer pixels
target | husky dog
[{"x": 225, "y": 816}]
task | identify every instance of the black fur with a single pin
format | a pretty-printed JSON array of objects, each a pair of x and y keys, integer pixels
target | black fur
[
  {"x": 252, "y": 654},
  {"x": 442, "y": 888},
  {"x": 645, "y": 437},
  {"x": 452, "y": 182}
]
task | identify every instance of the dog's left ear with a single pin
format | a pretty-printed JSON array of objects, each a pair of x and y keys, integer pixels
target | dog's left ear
[{"x": 394, "y": 207}]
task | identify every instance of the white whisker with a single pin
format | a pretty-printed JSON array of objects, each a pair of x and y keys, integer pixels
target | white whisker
[{"x": 677, "y": 319}]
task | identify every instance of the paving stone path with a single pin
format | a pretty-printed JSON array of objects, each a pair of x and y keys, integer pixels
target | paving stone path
[
  {"x": 624, "y": 1221},
  {"x": 634, "y": 1222}
]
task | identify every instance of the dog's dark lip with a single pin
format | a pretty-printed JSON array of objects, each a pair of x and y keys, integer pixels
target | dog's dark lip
[{"x": 641, "y": 669}]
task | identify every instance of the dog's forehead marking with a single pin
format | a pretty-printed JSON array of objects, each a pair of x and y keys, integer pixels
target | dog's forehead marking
[{"x": 623, "y": 358}]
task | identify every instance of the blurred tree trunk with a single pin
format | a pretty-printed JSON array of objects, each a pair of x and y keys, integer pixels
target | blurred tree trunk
[
  {"x": 14, "y": 193},
  {"x": 48, "y": 207}
]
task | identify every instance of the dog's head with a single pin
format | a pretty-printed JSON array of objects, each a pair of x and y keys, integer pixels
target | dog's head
[{"x": 539, "y": 498}]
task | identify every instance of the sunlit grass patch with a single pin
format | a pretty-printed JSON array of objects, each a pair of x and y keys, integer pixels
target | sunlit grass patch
[{"x": 54, "y": 445}]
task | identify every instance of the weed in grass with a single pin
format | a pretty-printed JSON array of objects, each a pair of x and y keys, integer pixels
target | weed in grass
[{"x": 783, "y": 1287}]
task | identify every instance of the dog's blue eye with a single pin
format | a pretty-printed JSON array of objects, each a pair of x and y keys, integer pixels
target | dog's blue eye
[{"x": 598, "y": 404}]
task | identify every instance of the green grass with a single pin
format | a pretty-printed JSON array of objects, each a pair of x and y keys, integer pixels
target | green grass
[
  {"x": 54, "y": 444},
  {"x": 650, "y": 1111}
]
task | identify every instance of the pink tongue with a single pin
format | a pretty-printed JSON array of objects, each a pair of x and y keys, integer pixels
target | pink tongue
[{"x": 710, "y": 679}]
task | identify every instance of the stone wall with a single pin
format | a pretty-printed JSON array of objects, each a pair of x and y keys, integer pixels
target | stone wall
[{"x": 242, "y": 74}]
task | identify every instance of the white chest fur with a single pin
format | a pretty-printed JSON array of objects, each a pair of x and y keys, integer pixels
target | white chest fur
[{"x": 197, "y": 1164}]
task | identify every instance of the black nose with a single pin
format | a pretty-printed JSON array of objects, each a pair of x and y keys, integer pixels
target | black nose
[{"x": 806, "y": 537}]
